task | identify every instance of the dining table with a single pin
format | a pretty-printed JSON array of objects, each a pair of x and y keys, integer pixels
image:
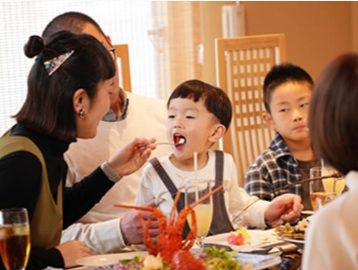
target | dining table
[{"x": 289, "y": 255}]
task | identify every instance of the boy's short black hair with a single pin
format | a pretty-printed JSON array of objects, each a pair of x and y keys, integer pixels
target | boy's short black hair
[
  {"x": 216, "y": 101},
  {"x": 281, "y": 74}
]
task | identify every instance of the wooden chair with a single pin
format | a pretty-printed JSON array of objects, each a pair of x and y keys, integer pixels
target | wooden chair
[
  {"x": 122, "y": 53},
  {"x": 241, "y": 66}
]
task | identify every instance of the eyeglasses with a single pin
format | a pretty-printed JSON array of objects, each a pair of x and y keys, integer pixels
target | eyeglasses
[{"x": 112, "y": 52}]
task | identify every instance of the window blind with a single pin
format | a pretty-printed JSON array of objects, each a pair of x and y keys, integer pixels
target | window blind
[
  {"x": 162, "y": 37},
  {"x": 125, "y": 22}
]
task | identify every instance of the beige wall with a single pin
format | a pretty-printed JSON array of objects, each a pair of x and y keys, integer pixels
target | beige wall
[
  {"x": 316, "y": 32},
  {"x": 211, "y": 23}
]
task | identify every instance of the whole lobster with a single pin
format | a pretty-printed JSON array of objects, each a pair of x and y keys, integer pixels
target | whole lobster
[{"x": 172, "y": 247}]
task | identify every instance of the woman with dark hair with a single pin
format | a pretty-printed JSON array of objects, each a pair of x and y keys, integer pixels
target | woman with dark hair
[
  {"x": 69, "y": 90},
  {"x": 332, "y": 237}
]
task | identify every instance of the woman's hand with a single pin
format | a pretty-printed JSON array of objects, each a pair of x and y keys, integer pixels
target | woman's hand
[
  {"x": 132, "y": 157},
  {"x": 71, "y": 251},
  {"x": 284, "y": 208},
  {"x": 132, "y": 227}
]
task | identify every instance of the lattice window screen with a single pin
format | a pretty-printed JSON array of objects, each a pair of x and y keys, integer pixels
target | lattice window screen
[{"x": 242, "y": 64}]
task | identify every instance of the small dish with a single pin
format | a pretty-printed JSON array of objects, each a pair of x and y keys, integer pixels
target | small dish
[
  {"x": 307, "y": 212},
  {"x": 108, "y": 259},
  {"x": 259, "y": 240},
  {"x": 297, "y": 242}
]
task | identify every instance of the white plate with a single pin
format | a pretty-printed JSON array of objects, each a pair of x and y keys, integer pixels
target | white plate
[
  {"x": 258, "y": 239},
  {"x": 257, "y": 262},
  {"x": 248, "y": 261},
  {"x": 307, "y": 212},
  {"x": 297, "y": 242},
  {"x": 107, "y": 259}
]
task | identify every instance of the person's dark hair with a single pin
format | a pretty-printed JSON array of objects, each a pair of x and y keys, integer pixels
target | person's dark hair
[
  {"x": 48, "y": 107},
  {"x": 216, "y": 101},
  {"x": 70, "y": 21},
  {"x": 333, "y": 121},
  {"x": 281, "y": 74}
]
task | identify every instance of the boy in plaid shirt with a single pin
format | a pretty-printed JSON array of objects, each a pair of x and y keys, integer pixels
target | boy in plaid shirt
[{"x": 287, "y": 92}]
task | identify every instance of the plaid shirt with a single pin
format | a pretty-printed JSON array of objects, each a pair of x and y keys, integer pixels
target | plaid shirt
[{"x": 274, "y": 168}]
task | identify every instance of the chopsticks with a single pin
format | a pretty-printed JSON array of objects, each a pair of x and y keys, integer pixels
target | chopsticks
[
  {"x": 146, "y": 208},
  {"x": 334, "y": 175}
]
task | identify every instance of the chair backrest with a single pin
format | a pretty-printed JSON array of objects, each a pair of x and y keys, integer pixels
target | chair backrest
[
  {"x": 241, "y": 66},
  {"x": 122, "y": 53}
]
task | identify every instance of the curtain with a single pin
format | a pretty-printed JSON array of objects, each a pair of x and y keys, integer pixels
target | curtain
[{"x": 177, "y": 39}]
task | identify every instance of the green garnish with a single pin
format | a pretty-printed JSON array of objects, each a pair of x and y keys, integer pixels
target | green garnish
[
  {"x": 220, "y": 259},
  {"x": 126, "y": 261},
  {"x": 288, "y": 226}
]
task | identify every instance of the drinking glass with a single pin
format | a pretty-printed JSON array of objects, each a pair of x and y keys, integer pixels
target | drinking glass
[
  {"x": 14, "y": 238},
  {"x": 194, "y": 190},
  {"x": 340, "y": 185},
  {"x": 322, "y": 191}
]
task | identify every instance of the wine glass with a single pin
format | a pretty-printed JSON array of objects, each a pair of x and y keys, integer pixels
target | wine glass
[
  {"x": 194, "y": 190},
  {"x": 14, "y": 238},
  {"x": 324, "y": 190}
]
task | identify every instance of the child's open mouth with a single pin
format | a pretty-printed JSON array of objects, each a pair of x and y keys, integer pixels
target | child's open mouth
[{"x": 179, "y": 140}]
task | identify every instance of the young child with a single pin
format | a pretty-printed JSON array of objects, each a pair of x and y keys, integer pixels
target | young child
[
  {"x": 198, "y": 116},
  {"x": 287, "y": 92}
]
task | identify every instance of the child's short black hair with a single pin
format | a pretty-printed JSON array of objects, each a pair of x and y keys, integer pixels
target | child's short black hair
[
  {"x": 216, "y": 101},
  {"x": 281, "y": 74}
]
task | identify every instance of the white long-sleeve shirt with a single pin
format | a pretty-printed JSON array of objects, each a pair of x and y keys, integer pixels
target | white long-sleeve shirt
[
  {"x": 236, "y": 199},
  {"x": 331, "y": 241},
  {"x": 99, "y": 228}
]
